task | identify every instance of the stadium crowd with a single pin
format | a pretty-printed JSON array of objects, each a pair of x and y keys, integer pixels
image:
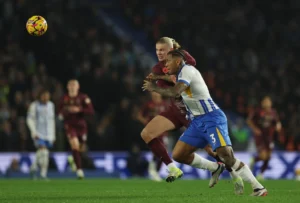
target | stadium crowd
[
  {"x": 105, "y": 66},
  {"x": 242, "y": 52},
  {"x": 245, "y": 49}
]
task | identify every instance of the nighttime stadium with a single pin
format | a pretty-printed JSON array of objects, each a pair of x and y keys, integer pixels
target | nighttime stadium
[{"x": 149, "y": 101}]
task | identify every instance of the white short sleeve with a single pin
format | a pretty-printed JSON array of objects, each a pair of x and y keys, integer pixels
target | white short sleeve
[{"x": 185, "y": 75}]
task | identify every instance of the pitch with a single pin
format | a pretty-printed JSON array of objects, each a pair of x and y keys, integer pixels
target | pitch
[{"x": 139, "y": 191}]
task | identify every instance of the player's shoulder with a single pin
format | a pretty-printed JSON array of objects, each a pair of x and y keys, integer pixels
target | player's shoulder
[
  {"x": 188, "y": 68},
  {"x": 65, "y": 96},
  {"x": 157, "y": 68},
  {"x": 189, "y": 58},
  {"x": 51, "y": 103},
  {"x": 33, "y": 104},
  {"x": 260, "y": 112}
]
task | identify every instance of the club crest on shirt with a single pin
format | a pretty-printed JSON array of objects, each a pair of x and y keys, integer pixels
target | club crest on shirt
[{"x": 165, "y": 70}]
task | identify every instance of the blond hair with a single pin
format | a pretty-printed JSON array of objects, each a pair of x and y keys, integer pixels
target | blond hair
[{"x": 169, "y": 41}]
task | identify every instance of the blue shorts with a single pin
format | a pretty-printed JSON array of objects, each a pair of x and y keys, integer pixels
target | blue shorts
[
  {"x": 210, "y": 128},
  {"x": 42, "y": 143}
]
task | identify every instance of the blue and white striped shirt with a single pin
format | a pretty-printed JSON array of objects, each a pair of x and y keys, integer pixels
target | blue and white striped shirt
[{"x": 196, "y": 97}]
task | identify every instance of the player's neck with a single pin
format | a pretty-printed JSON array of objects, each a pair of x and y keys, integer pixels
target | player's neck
[
  {"x": 267, "y": 109},
  {"x": 75, "y": 94},
  {"x": 43, "y": 102},
  {"x": 157, "y": 102}
]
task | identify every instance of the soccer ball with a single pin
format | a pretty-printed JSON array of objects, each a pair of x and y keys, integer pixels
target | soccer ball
[{"x": 36, "y": 25}]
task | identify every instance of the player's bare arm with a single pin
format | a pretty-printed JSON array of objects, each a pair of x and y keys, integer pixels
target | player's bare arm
[
  {"x": 168, "y": 92},
  {"x": 168, "y": 78},
  {"x": 87, "y": 107}
]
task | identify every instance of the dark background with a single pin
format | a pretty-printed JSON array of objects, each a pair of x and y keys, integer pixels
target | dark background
[{"x": 244, "y": 49}]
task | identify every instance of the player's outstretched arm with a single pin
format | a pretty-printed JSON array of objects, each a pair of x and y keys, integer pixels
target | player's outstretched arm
[
  {"x": 168, "y": 78},
  {"x": 168, "y": 92},
  {"x": 87, "y": 107}
]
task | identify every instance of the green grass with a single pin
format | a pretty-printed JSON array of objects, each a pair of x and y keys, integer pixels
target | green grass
[{"x": 139, "y": 191}]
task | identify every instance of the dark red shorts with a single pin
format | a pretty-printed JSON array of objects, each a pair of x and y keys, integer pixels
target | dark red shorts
[
  {"x": 76, "y": 131},
  {"x": 176, "y": 115},
  {"x": 263, "y": 143}
]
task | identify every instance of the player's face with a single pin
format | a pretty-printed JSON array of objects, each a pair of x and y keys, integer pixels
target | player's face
[
  {"x": 172, "y": 64},
  {"x": 162, "y": 51},
  {"x": 45, "y": 97},
  {"x": 266, "y": 103},
  {"x": 73, "y": 86},
  {"x": 156, "y": 98}
]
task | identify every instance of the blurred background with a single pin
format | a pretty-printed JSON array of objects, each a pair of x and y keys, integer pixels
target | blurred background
[{"x": 244, "y": 50}]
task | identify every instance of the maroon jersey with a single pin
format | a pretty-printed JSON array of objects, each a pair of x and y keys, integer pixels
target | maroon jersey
[
  {"x": 160, "y": 69},
  {"x": 265, "y": 120},
  {"x": 176, "y": 112},
  {"x": 83, "y": 102},
  {"x": 151, "y": 109}
]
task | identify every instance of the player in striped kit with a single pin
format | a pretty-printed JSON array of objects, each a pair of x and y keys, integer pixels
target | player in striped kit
[
  {"x": 208, "y": 125},
  {"x": 41, "y": 123},
  {"x": 173, "y": 117}
]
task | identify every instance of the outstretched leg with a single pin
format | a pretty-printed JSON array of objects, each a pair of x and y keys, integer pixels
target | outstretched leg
[
  {"x": 150, "y": 134},
  {"x": 226, "y": 155}
]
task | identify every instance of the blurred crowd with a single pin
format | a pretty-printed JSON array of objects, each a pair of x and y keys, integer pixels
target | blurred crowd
[
  {"x": 106, "y": 67},
  {"x": 244, "y": 51}
]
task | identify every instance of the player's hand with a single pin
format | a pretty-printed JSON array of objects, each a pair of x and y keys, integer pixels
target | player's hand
[
  {"x": 147, "y": 86},
  {"x": 257, "y": 132},
  {"x": 278, "y": 127},
  {"x": 74, "y": 109},
  {"x": 149, "y": 77}
]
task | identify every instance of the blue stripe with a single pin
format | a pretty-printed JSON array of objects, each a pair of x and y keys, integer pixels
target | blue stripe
[
  {"x": 184, "y": 81},
  {"x": 212, "y": 104},
  {"x": 187, "y": 107},
  {"x": 204, "y": 106}
]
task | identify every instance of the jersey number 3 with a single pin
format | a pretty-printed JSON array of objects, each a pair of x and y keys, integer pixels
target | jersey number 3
[{"x": 213, "y": 139}]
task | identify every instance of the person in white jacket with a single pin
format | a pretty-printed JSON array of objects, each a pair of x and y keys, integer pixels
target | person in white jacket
[{"x": 41, "y": 123}]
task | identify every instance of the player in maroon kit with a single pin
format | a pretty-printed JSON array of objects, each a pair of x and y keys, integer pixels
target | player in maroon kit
[
  {"x": 72, "y": 109},
  {"x": 264, "y": 122},
  {"x": 174, "y": 117},
  {"x": 145, "y": 115}
]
